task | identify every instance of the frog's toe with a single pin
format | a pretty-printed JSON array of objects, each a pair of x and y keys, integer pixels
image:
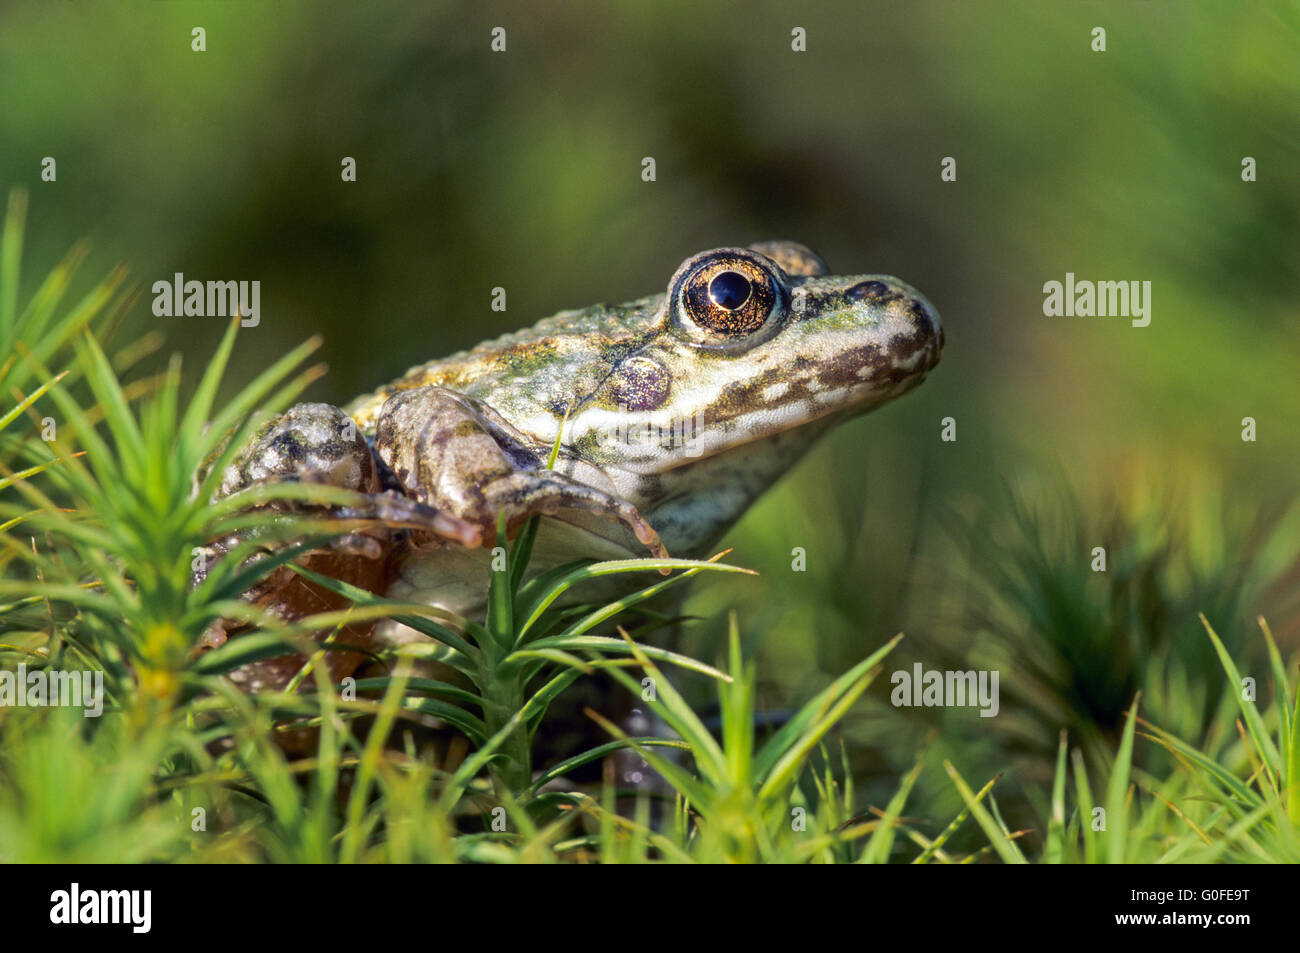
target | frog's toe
[
  {"x": 399, "y": 512},
  {"x": 526, "y": 494},
  {"x": 644, "y": 532},
  {"x": 358, "y": 544},
  {"x": 629, "y": 516}
]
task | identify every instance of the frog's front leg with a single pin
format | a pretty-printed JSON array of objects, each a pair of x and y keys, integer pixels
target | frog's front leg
[{"x": 458, "y": 455}]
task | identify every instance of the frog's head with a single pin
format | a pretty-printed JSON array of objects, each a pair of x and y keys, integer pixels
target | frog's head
[{"x": 760, "y": 344}]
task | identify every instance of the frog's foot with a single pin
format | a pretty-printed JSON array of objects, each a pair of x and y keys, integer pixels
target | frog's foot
[
  {"x": 399, "y": 512},
  {"x": 461, "y": 457}
]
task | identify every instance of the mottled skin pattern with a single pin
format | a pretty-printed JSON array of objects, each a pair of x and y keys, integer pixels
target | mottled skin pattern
[{"x": 678, "y": 411}]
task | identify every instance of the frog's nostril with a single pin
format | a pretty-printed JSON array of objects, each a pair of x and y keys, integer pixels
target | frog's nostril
[{"x": 869, "y": 290}]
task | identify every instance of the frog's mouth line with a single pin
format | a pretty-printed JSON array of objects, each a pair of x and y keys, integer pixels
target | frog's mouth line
[{"x": 654, "y": 442}]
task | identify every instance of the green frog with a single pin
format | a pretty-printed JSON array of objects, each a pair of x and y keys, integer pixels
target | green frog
[{"x": 672, "y": 413}]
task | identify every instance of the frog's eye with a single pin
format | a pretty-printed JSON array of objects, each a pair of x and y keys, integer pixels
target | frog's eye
[{"x": 724, "y": 297}]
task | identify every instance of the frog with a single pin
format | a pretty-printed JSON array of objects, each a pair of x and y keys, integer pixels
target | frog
[{"x": 648, "y": 427}]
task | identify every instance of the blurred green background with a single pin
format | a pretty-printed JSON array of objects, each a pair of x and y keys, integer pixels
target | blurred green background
[{"x": 522, "y": 169}]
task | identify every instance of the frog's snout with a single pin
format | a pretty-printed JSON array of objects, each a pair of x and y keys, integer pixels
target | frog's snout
[
  {"x": 927, "y": 328},
  {"x": 906, "y": 321}
]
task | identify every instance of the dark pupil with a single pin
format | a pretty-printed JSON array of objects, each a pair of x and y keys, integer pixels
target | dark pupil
[{"x": 730, "y": 290}]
